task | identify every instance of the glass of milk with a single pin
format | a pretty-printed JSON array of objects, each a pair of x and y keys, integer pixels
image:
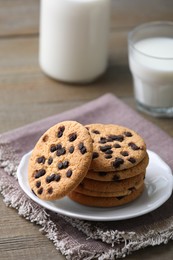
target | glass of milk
[
  {"x": 151, "y": 64},
  {"x": 73, "y": 43}
]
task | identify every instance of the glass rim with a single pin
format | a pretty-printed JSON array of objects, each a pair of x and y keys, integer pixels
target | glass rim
[{"x": 145, "y": 25}]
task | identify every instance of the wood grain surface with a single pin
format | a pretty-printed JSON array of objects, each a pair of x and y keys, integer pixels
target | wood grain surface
[{"x": 27, "y": 95}]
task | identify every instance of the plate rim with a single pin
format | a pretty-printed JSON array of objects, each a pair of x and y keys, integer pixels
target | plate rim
[{"x": 93, "y": 217}]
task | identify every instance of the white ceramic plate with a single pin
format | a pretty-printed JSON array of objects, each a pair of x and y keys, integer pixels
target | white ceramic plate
[{"x": 158, "y": 188}]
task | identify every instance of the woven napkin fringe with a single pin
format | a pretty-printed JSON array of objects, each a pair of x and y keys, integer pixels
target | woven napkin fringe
[
  {"x": 111, "y": 237},
  {"x": 8, "y": 160},
  {"x": 132, "y": 240}
]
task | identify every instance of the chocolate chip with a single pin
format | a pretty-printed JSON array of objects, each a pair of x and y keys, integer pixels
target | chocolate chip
[
  {"x": 53, "y": 177},
  {"x": 61, "y": 151},
  {"x": 103, "y": 140},
  {"x": 53, "y": 148},
  {"x": 50, "y": 190},
  {"x": 58, "y": 146},
  {"x": 71, "y": 149},
  {"x": 102, "y": 174},
  {"x": 120, "y": 197},
  {"x": 50, "y": 160},
  {"x": 69, "y": 173},
  {"x": 41, "y": 159},
  {"x": 57, "y": 177},
  {"x": 45, "y": 138},
  {"x": 119, "y": 138},
  {"x": 128, "y": 134},
  {"x": 133, "y": 146},
  {"x": 124, "y": 153},
  {"x": 118, "y": 161},
  {"x": 38, "y": 184},
  {"x": 108, "y": 156},
  {"x": 116, "y": 177},
  {"x": 60, "y": 131},
  {"x": 65, "y": 164},
  {"x": 40, "y": 191},
  {"x": 82, "y": 148},
  {"x": 40, "y": 173},
  {"x": 95, "y": 132},
  {"x": 105, "y": 148},
  {"x": 80, "y": 145},
  {"x": 95, "y": 155},
  {"x": 117, "y": 146},
  {"x": 109, "y": 139},
  {"x": 50, "y": 178},
  {"x": 132, "y": 160},
  {"x": 72, "y": 137},
  {"x": 109, "y": 151},
  {"x": 60, "y": 165}
]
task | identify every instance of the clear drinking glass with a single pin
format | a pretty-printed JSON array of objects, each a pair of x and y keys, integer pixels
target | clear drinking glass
[{"x": 150, "y": 48}]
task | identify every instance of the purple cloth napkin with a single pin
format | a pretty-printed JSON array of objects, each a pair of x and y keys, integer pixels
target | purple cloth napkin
[{"x": 86, "y": 239}]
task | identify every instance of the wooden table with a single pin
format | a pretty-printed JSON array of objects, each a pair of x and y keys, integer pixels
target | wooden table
[{"x": 27, "y": 95}]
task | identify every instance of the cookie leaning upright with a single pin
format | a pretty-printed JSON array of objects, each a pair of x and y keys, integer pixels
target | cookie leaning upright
[
  {"x": 60, "y": 160},
  {"x": 115, "y": 147}
]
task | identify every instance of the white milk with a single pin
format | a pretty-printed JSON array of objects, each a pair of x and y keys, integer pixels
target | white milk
[
  {"x": 74, "y": 38},
  {"x": 151, "y": 63}
]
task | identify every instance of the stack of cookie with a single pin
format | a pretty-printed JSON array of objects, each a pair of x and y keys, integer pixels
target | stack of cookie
[
  {"x": 117, "y": 170},
  {"x": 95, "y": 165}
]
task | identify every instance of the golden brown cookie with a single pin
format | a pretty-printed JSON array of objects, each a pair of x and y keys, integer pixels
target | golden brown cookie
[
  {"x": 119, "y": 175},
  {"x": 105, "y": 201},
  {"x": 122, "y": 190},
  {"x": 110, "y": 186},
  {"x": 115, "y": 147},
  {"x": 60, "y": 160}
]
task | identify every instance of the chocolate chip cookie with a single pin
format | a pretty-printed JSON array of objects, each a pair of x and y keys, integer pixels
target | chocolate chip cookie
[
  {"x": 106, "y": 201},
  {"x": 87, "y": 186},
  {"x": 60, "y": 160},
  {"x": 119, "y": 175},
  {"x": 115, "y": 147}
]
